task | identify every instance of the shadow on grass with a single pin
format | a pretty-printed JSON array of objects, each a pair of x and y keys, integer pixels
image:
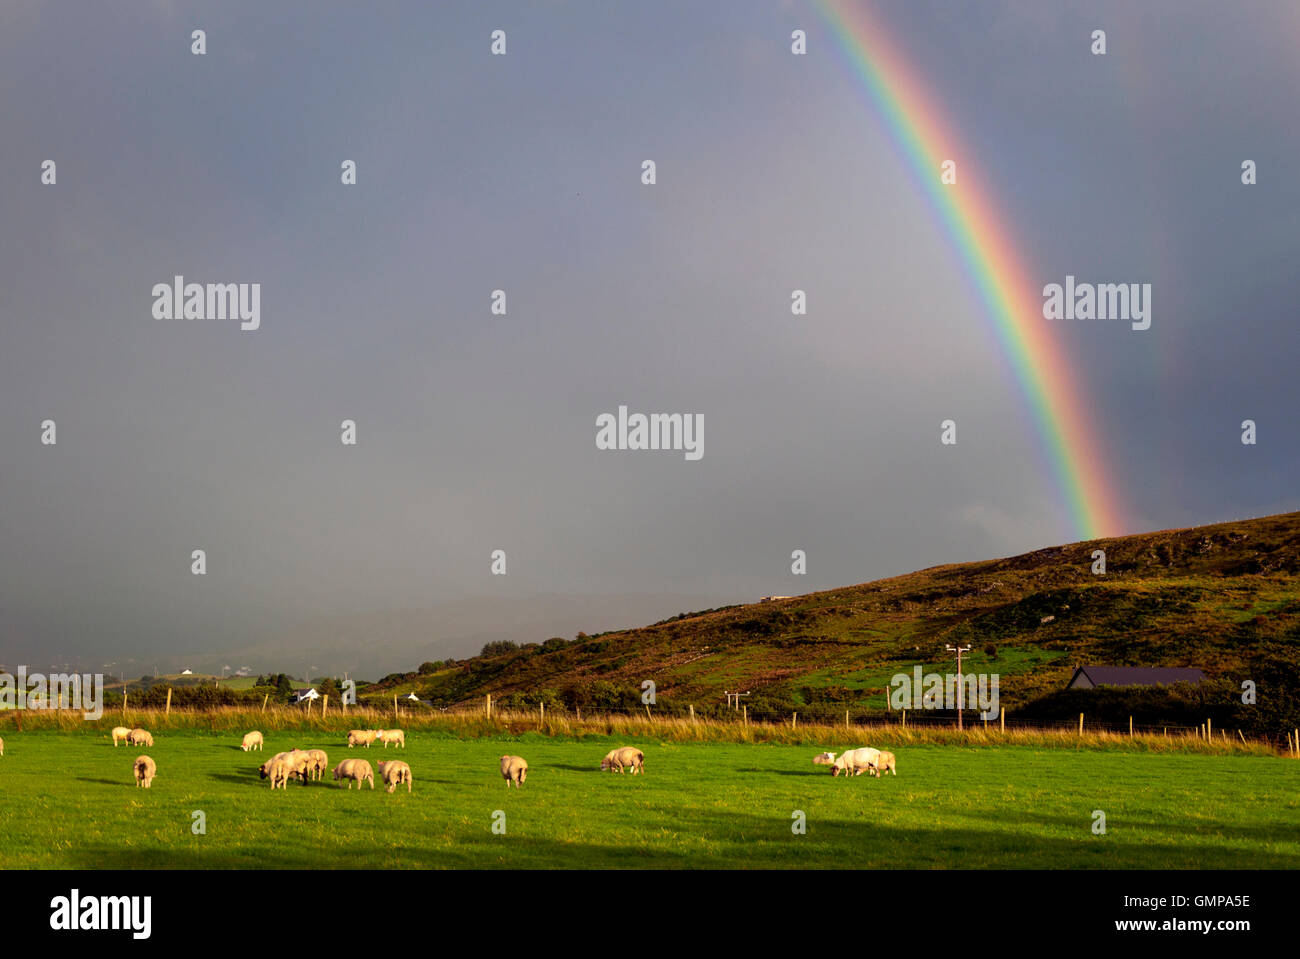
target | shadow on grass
[
  {"x": 1274, "y": 831},
  {"x": 710, "y": 839}
]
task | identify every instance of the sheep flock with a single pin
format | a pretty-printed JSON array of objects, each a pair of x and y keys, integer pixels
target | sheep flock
[{"x": 310, "y": 765}]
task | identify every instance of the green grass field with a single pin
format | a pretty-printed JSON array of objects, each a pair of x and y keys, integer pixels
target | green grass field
[{"x": 67, "y": 800}]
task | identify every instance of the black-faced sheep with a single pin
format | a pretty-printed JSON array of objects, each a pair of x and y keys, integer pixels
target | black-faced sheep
[
  {"x": 278, "y": 769},
  {"x": 145, "y": 769}
]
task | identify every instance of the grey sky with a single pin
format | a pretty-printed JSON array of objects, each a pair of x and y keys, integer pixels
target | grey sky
[{"x": 521, "y": 172}]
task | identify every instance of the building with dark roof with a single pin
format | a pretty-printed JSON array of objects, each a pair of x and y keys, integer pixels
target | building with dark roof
[{"x": 1087, "y": 677}]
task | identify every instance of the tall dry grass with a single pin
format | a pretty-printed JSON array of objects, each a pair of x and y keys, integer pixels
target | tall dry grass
[{"x": 237, "y": 720}]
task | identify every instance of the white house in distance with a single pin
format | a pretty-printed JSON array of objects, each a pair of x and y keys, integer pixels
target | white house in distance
[
  {"x": 187, "y": 672},
  {"x": 305, "y": 695}
]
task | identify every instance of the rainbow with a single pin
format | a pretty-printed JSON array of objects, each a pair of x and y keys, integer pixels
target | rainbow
[{"x": 1057, "y": 406}]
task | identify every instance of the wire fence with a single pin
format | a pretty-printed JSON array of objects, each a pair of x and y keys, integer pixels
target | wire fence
[{"x": 487, "y": 718}]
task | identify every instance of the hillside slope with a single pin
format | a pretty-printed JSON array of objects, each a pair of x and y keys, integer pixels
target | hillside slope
[{"x": 1225, "y": 598}]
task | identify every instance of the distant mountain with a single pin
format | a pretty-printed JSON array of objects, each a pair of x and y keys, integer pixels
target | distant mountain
[{"x": 1225, "y": 598}]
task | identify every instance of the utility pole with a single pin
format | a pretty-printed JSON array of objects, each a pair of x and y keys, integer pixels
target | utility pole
[
  {"x": 733, "y": 699},
  {"x": 961, "y": 689}
]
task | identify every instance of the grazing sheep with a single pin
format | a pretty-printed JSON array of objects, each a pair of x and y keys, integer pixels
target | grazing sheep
[
  {"x": 278, "y": 769},
  {"x": 140, "y": 737},
  {"x": 355, "y": 770},
  {"x": 145, "y": 769},
  {"x": 317, "y": 763},
  {"x": 624, "y": 756},
  {"x": 362, "y": 737},
  {"x": 394, "y": 773},
  {"x": 855, "y": 762},
  {"x": 884, "y": 764},
  {"x": 824, "y": 759},
  {"x": 395, "y": 736},
  {"x": 514, "y": 770},
  {"x": 300, "y": 762},
  {"x": 252, "y": 740},
  {"x": 123, "y": 733}
]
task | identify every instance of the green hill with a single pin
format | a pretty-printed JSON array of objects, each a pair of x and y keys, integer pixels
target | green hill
[{"x": 1224, "y": 598}]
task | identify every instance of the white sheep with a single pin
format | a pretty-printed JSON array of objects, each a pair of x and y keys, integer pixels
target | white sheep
[
  {"x": 298, "y": 761},
  {"x": 252, "y": 740},
  {"x": 361, "y": 737},
  {"x": 394, "y": 736},
  {"x": 355, "y": 770},
  {"x": 278, "y": 769},
  {"x": 145, "y": 769},
  {"x": 514, "y": 770},
  {"x": 122, "y": 733},
  {"x": 624, "y": 756},
  {"x": 317, "y": 762},
  {"x": 824, "y": 759},
  {"x": 394, "y": 772},
  {"x": 140, "y": 737},
  {"x": 884, "y": 764},
  {"x": 855, "y": 762}
]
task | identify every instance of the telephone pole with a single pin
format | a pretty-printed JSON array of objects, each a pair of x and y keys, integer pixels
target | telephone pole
[{"x": 961, "y": 688}]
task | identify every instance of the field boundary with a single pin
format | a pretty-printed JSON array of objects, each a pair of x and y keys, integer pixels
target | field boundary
[{"x": 476, "y": 723}]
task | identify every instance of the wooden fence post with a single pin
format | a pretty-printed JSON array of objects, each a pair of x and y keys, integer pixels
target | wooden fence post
[
  {"x": 1209, "y": 730},
  {"x": 169, "y": 701},
  {"x": 746, "y": 713},
  {"x": 124, "y": 702},
  {"x": 794, "y": 721},
  {"x": 1002, "y": 719},
  {"x": 904, "y": 718},
  {"x": 489, "y": 705},
  {"x": 325, "y": 706},
  {"x": 846, "y": 719},
  {"x": 394, "y": 706},
  {"x": 1080, "y": 724},
  {"x": 1130, "y": 725},
  {"x": 265, "y": 700},
  {"x": 692, "y": 712}
]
